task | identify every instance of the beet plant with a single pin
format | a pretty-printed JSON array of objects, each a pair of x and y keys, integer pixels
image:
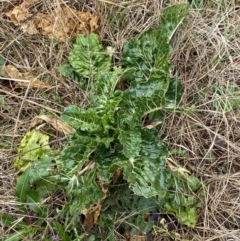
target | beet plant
[{"x": 117, "y": 133}]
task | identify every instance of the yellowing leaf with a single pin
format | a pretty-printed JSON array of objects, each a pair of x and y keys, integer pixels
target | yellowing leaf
[{"x": 34, "y": 146}]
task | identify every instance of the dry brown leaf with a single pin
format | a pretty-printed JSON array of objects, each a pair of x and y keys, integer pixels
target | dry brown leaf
[
  {"x": 173, "y": 166},
  {"x": 26, "y": 4},
  {"x": 153, "y": 124},
  {"x": 127, "y": 235},
  {"x": 17, "y": 15},
  {"x": 23, "y": 79},
  {"x": 63, "y": 23},
  {"x": 34, "y": 83},
  {"x": 11, "y": 72},
  {"x": 92, "y": 214},
  {"x": 117, "y": 175},
  {"x": 20, "y": 12},
  {"x": 138, "y": 238},
  {"x": 55, "y": 122}
]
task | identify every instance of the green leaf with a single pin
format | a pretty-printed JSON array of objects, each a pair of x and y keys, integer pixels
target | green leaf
[
  {"x": 131, "y": 141},
  {"x": 3, "y": 104},
  {"x": 67, "y": 70},
  {"x": 23, "y": 187},
  {"x": 180, "y": 199},
  {"x": 77, "y": 152},
  {"x": 174, "y": 92},
  {"x": 7, "y": 221},
  {"x": 77, "y": 190},
  {"x": 146, "y": 173},
  {"x": 2, "y": 62},
  {"x": 226, "y": 98},
  {"x": 104, "y": 87},
  {"x": 19, "y": 235},
  {"x": 147, "y": 57},
  {"x": 109, "y": 111},
  {"x": 26, "y": 233},
  {"x": 90, "y": 61},
  {"x": 147, "y": 227},
  {"x": 85, "y": 186},
  {"x": 108, "y": 161},
  {"x": 149, "y": 66},
  {"x": 119, "y": 130},
  {"x": 61, "y": 231},
  {"x": 88, "y": 58},
  {"x": 91, "y": 238},
  {"x": 38, "y": 180},
  {"x": 148, "y": 177},
  {"x": 84, "y": 120},
  {"x": 171, "y": 18},
  {"x": 23, "y": 230}
]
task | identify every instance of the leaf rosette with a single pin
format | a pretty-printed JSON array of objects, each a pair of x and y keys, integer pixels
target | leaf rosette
[{"x": 120, "y": 128}]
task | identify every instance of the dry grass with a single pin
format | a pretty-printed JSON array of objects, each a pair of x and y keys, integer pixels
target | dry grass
[{"x": 206, "y": 58}]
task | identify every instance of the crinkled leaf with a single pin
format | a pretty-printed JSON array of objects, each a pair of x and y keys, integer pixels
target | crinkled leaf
[
  {"x": 189, "y": 217},
  {"x": 147, "y": 57},
  {"x": 103, "y": 88},
  {"x": 110, "y": 108},
  {"x": 82, "y": 192},
  {"x": 148, "y": 177},
  {"x": 124, "y": 201},
  {"x": 148, "y": 83},
  {"x": 67, "y": 70},
  {"x": 171, "y": 18},
  {"x": 120, "y": 128},
  {"x": 146, "y": 173},
  {"x": 108, "y": 161},
  {"x": 79, "y": 149},
  {"x": 34, "y": 146},
  {"x": 138, "y": 152},
  {"x": 131, "y": 142},
  {"x": 146, "y": 54},
  {"x": 85, "y": 186},
  {"x": 88, "y": 57},
  {"x": 77, "y": 152},
  {"x": 84, "y": 120},
  {"x": 180, "y": 199},
  {"x": 90, "y": 61}
]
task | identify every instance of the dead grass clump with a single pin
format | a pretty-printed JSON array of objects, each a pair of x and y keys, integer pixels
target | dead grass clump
[
  {"x": 206, "y": 60},
  {"x": 122, "y": 20}
]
